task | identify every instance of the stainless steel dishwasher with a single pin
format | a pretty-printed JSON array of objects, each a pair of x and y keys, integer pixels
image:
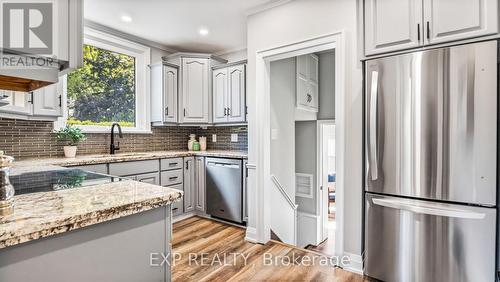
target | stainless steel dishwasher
[{"x": 224, "y": 184}]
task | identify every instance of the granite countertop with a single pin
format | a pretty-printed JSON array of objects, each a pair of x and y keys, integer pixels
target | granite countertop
[
  {"x": 101, "y": 159},
  {"x": 43, "y": 214}
]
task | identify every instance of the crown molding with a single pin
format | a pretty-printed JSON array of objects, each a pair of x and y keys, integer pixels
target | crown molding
[
  {"x": 137, "y": 39},
  {"x": 264, "y": 7}
]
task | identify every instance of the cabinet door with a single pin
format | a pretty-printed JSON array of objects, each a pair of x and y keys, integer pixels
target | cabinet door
[
  {"x": 151, "y": 178},
  {"x": 236, "y": 94},
  {"x": 189, "y": 184},
  {"x": 219, "y": 84},
  {"x": 18, "y": 102},
  {"x": 170, "y": 84},
  {"x": 245, "y": 191},
  {"x": 195, "y": 90},
  {"x": 178, "y": 207},
  {"x": 392, "y": 25},
  {"x": 200, "y": 184},
  {"x": 307, "y": 82},
  {"x": 459, "y": 19},
  {"x": 47, "y": 101},
  {"x": 313, "y": 87}
]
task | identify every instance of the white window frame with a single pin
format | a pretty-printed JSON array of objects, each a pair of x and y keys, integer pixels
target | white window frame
[{"x": 142, "y": 55}]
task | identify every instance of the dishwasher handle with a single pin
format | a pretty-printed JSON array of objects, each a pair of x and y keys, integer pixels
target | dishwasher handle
[{"x": 225, "y": 165}]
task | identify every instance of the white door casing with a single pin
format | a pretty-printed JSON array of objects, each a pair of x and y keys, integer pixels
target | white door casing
[{"x": 260, "y": 172}]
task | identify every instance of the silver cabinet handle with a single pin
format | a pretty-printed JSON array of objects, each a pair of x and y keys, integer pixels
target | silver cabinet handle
[
  {"x": 373, "y": 126},
  {"x": 427, "y": 208}
]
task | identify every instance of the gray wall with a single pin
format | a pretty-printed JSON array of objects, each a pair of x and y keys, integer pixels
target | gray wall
[
  {"x": 326, "y": 85},
  {"x": 283, "y": 123},
  {"x": 306, "y": 160}
]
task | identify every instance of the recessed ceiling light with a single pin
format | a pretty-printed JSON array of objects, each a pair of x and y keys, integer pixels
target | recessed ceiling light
[
  {"x": 203, "y": 31},
  {"x": 126, "y": 18}
]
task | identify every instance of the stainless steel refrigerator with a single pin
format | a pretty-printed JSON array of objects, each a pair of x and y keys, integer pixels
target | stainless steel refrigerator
[{"x": 431, "y": 165}]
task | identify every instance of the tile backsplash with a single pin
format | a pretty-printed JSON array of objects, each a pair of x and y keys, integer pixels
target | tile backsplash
[{"x": 32, "y": 139}]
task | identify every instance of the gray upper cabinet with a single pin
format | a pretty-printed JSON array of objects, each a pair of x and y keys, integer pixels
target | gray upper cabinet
[
  {"x": 47, "y": 101},
  {"x": 459, "y": 19},
  {"x": 393, "y": 25},
  {"x": 219, "y": 93},
  {"x": 229, "y": 91},
  {"x": 236, "y": 94},
  {"x": 164, "y": 93},
  {"x": 195, "y": 100},
  {"x": 43, "y": 104}
]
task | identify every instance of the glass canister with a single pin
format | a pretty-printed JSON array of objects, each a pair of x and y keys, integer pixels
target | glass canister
[
  {"x": 192, "y": 139},
  {"x": 203, "y": 143},
  {"x": 6, "y": 189},
  {"x": 196, "y": 146}
]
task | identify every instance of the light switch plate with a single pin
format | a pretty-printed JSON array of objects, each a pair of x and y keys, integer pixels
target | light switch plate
[
  {"x": 234, "y": 137},
  {"x": 214, "y": 138},
  {"x": 274, "y": 134}
]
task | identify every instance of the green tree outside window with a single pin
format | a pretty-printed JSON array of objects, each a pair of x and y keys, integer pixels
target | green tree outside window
[{"x": 103, "y": 90}]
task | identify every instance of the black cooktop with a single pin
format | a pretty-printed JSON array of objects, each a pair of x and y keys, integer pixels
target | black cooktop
[{"x": 56, "y": 180}]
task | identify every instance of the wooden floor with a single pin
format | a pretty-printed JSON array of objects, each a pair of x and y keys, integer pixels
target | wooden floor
[{"x": 205, "y": 250}]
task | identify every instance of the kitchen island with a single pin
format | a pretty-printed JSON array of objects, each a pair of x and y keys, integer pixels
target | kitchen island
[{"x": 101, "y": 232}]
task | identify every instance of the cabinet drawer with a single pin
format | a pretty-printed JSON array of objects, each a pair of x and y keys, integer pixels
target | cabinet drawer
[
  {"x": 134, "y": 168},
  {"x": 178, "y": 207},
  {"x": 170, "y": 164},
  {"x": 171, "y": 177},
  {"x": 98, "y": 168}
]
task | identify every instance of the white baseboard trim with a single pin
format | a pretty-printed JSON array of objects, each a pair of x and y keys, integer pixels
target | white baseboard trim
[
  {"x": 356, "y": 265},
  {"x": 251, "y": 235}
]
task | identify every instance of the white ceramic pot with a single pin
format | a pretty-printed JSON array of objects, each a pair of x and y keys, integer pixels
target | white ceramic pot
[{"x": 70, "y": 151}]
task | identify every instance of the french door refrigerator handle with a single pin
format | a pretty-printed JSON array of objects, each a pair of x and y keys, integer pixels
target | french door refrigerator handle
[
  {"x": 373, "y": 126},
  {"x": 427, "y": 208}
]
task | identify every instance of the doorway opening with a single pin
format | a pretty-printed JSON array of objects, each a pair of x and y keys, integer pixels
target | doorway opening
[
  {"x": 302, "y": 150},
  {"x": 271, "y": 208}
]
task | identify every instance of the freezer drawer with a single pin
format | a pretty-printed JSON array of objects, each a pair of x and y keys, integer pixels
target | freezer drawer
[
  {"x": 224, "y": 190},
  {"x": 414, "y": 240}
]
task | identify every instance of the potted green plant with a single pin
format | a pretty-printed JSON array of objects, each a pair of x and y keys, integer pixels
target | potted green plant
[{"x": 73, "y": 135}]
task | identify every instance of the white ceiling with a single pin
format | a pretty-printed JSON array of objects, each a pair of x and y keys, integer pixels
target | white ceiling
[{"x": 176, "y": 23}]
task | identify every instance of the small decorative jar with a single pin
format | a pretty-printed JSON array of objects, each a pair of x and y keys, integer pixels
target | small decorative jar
[
  {"x": 192, "y": 139},
  {"x": 6, "y": 189},
  {"x": 196, "y": 146},
  {"x": 203, "y": 143}
]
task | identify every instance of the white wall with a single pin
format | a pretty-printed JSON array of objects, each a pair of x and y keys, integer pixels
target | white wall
[{"x": 293, "y": 22}]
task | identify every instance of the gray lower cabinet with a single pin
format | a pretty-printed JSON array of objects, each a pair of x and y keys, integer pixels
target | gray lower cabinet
[
  {"x": 151, "y": 178},
  {"x": 116, "y": 250},
  {"x": 189, "y": 181},
  {"x": 134, "y": 168},
  {"x": 178, "y": 207},
  {"x": 199, "y": 173},
  {"x": 98, "y": 168},
  {"x": 245, "y": 191}
]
